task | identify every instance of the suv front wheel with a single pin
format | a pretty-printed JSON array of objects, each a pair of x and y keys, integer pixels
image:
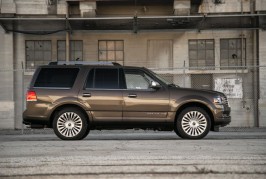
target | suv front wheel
[
  {"x": 193, "y": 123},
  {"x": 70, "y": 124}
]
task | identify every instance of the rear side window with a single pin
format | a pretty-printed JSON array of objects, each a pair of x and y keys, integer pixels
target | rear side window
[
  {"x": 103, "y": 79},
  {"x": 56, "y": 77}
]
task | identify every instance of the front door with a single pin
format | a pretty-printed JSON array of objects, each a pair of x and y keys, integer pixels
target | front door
[
  {"x": 102, "y": 95},
  {"x": 142, "y": 103}
]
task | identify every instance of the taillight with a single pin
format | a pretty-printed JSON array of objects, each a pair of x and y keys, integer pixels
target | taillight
[{"x": 31, "y": 96}]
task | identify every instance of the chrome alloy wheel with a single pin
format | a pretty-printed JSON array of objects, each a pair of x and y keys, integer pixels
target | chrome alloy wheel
[
  {"x": 69, "y": 124},
  {"x": 194, "y": 123}
]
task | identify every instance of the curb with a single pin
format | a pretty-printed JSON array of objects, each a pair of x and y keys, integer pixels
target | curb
[{"x": 50, "y": 131}]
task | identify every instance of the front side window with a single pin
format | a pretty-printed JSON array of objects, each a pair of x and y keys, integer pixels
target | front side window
[
  {"x": 201, "y": 53},
  {"x": 233, "y": 53},
  {"x": 56, "y": 77},
  {"x": 38, "y": 52},
  {"x": 103, "y": 79},
  {"x": 137, "y": 80}
]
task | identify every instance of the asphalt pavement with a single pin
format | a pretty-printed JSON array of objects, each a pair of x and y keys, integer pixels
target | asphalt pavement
[{"x": 134, "y": 154}]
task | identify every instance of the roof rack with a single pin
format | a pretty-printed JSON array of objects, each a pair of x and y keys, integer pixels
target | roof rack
[{"x": 84, "y": 63}]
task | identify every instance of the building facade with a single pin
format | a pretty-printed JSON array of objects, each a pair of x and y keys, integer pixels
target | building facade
[{"x": 209, "y": 44}]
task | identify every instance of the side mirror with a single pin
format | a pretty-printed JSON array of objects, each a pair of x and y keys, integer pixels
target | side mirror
[{"x": 155, "y": 85}]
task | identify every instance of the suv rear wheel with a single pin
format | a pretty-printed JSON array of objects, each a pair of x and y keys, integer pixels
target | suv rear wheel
[
  {"x": 193, "y": 123},
  {"x": 70, "y": 124}
]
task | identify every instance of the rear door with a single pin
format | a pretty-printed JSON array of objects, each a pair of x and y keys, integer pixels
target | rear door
[{"x": 102, "y": 94}]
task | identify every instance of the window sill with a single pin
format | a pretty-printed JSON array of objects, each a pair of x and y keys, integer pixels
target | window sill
[{"x": 29, "y": 73}]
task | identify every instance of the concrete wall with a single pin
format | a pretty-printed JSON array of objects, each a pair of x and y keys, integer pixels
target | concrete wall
[
  {"x": 226, "y": 6},
  {"x": 135, "y": 53},
  {"x": 262, "y": 58},
  {"x": 41, "y": 7},
  {"x": 37, "y": 7},
  {"x": 6, "y": 81},
  {"x": 260, "y": 5}
]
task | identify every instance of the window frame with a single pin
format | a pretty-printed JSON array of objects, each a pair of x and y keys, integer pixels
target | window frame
[
  {"x": 212, "y": 67},
  {"x": 71, "y": 50},
  {"x": 115, "y": 59},
  {"x": 242, "y": 60},
  {"x": 34, "y": 50}
]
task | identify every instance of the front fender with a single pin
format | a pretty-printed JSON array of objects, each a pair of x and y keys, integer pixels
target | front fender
[{"x": 176, "y": 104}]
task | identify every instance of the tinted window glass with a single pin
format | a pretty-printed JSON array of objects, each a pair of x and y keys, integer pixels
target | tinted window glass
[
  {"x": 106, "y": 78},
  {"x": 56, "y": 77}
]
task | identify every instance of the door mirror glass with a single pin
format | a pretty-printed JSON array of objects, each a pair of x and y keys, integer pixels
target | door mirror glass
[{"x": 155, "y": 85}]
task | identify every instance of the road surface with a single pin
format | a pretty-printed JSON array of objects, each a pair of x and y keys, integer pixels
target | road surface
[{"x": 132, "y": 154}]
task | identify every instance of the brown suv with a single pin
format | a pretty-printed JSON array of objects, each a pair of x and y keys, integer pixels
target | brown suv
[{"x": 74, "y": 99}]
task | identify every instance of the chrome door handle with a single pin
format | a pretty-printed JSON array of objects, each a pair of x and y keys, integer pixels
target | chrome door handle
[
  {"x": 86, "y": 95},
  {"x": 132, "y": 95}
]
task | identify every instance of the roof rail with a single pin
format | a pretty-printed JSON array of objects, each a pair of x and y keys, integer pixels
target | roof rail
[{"x": 85, "y": 63}]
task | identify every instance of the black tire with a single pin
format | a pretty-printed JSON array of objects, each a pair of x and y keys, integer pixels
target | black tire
[
  {"x": 86, "y": 133},
  {"x": 193, "y": 123},
  {"x": 70, "y": 124}
]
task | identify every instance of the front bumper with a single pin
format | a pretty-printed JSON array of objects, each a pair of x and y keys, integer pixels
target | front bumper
[
  {"x": 222, "y": 121},
  {"x": 222, "y": 116}
]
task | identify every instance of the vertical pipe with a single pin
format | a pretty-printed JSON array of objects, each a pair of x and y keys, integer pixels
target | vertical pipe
[
  {"x": 255, "y": 64},
  {"x": 256, "y": 78},
  {"x": 242, "y": 60},
  {"x": 256, "y": 74},
  {"x": 184, "y": 76},
  {"x": 67, "y": 35},
  {"x": 67, "y": 46},
  {"x": 23, "y": 96}
]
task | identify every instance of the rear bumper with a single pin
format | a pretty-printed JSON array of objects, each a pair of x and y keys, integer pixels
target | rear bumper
[{"x": 35, "y": 120}]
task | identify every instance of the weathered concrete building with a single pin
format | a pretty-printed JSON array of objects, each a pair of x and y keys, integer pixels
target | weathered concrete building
[{"x": 212, "y": 44}]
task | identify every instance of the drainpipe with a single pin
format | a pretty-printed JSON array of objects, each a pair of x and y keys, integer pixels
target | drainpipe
[
  {"x": 256, "y": 78},
  {"x": 256, "y": 84},
  {"x": 242, "y": 60},
  {"x": 256, "y": 67},
  {"x": 67, "y": 35}
]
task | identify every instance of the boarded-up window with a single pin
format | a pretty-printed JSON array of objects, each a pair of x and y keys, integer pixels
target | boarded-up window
[
  {"x": 202, "y": 81},
  {"x": 231, "y": 53},
  {"x": 201, "y": 53},
  {"x": 160, "y": 54},
  {"x": 111, "y": 50},
  {"x": 76, "y": 50},
  {"x": 38, "y": 52}
]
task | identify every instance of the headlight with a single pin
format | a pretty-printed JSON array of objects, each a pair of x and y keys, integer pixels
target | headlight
[{"x": 218, "y": 100}]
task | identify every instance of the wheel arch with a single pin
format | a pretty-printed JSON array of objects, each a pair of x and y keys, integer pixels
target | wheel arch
[
  {"x": 196, "y": 104},
  {"x": 58, "y": 108}
]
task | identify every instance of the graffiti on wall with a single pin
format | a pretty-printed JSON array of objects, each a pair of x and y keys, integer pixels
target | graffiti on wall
[{"x": 232, "y": 87}]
